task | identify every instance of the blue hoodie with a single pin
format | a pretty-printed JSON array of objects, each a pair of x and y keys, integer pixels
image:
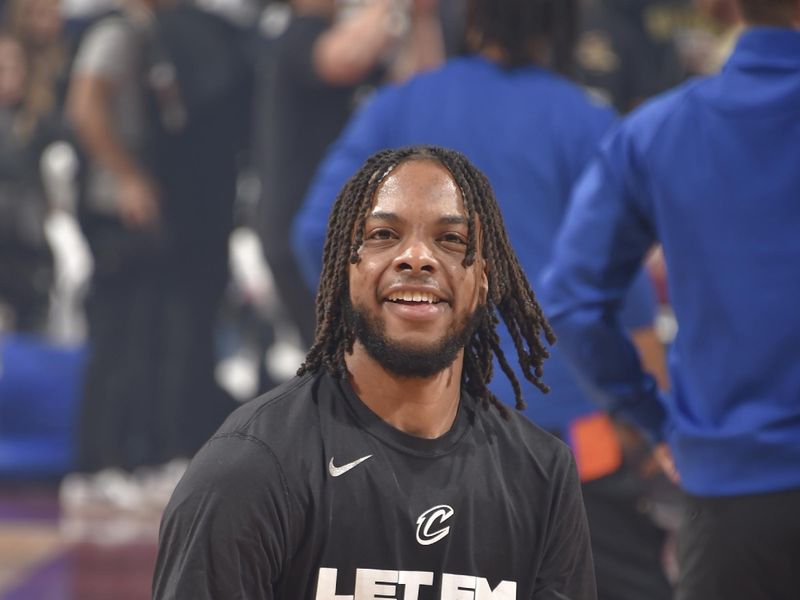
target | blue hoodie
[{"x": 712, "y": 170}]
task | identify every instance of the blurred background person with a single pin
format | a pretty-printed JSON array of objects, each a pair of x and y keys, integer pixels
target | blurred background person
[
  {"x": 156, "y": 112},
  {"x": 511, "y": 109},
  {"x": 197, "y": 166},
  {"x": 26, "y": 127},
  {"x": 39, "y": 26},
  {"x": 630, "y": 50},
  {"x": 120, "y": 216},
  {"x": 318, "y": 61},
  {"x": 709, "y": 170},
  {"x": 33, "y": 63}
]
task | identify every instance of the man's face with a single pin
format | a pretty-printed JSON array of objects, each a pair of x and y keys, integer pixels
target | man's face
[{"x": 412, "y": 302}]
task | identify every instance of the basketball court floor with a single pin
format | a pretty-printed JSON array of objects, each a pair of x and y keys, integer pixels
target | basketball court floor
[{"x": 47, "y": 556}]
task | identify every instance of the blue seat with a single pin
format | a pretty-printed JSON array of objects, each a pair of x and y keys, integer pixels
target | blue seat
[{"x": 40, "y": 388}]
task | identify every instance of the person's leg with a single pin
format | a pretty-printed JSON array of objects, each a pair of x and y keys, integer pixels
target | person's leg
[
  {"x": 117, "y": 381},
  {"x": 740, "y": 547},
  {"x": 114, "y": 381},
  {"x": 191, "y": 404},
  {"x": 98, "y": 440},
  {"x": 626, "y": 544},
  {"x": 142, "y": 362}
]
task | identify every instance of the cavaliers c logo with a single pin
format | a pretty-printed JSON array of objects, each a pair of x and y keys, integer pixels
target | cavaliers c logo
[{"x": 430, "y": 524}]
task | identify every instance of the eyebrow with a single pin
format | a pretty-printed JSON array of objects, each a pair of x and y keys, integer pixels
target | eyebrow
[{"x": 394, "y": 218}]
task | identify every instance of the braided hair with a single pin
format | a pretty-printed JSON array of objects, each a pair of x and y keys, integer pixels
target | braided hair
[
  {"x": 510, "y": 294},
  {"x": 524, "y": 27}
]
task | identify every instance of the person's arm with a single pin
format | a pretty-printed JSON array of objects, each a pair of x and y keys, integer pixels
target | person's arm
[
  {"x": 638, "y": 316},
  {"x": 423, "y": 48},
  {"x": 567, "y": 569},
  {"x": 224, "y": 533},
  {"x": 104, "y": 58},
  {"x": 88, "y": 110},
  {"x": 652, "y": 354},
  {"x": 599, "y": 250},
  {"x": 350, "y": 49},
  {"x": 364, "y": 135}
]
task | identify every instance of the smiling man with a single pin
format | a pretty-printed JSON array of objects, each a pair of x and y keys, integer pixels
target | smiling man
[{"x": 387, "y": 469}]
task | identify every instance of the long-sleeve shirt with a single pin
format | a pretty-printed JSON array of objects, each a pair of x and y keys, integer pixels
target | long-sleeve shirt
[{"x": 712, "y": 170}]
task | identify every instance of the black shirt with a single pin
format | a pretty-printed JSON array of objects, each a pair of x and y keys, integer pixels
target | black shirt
[{"x": 305, "y": 493}]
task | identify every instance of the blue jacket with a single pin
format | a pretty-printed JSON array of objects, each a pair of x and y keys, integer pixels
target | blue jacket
[
  {"x": 712, "y": 170},
  {"x": 530, "y": 131}
]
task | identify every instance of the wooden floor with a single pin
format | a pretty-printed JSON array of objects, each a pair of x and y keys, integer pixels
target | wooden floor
[{"x": 44, "y": 556}]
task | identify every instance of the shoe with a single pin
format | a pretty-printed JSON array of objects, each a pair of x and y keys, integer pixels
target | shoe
[{"x": 108, "y": 490}]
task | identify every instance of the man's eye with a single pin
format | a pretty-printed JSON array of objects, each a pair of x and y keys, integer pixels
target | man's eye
[
  {"x": 454, "y": 238},
  {"x": 381, "y": 234}
]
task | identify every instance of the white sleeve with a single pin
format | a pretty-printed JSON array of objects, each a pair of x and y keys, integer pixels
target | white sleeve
[{"x": 108, "y": 51}]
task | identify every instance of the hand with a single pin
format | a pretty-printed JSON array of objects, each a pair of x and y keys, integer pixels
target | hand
[
  {"x": 663, "y": 457},
  {"x": 138, "y": 202}
]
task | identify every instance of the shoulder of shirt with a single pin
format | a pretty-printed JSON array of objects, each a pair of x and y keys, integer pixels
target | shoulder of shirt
[
  {"x": 463, "y": 69},
  {"x": 442, "y": 75},
  {"x": 281, "y": 427},
  {"x": 525, "y": 437},
  {"x": 462, "y": 66},
  {"x": 115, "y": 21},
  {"x": 113, "y": 28},
  {"x": 280, "y": 419},
  {"x": 265, "y": 447},
  {"x": 647, "y": 120}
]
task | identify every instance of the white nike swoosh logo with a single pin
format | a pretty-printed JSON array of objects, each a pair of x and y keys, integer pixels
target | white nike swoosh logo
[{"x": 336, "y": 471}]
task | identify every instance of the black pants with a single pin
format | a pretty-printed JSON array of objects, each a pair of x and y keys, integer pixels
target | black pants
[
  {"x": 741, "y": 548},
  {"x": 120, "y": 378},
  {"x": 149, "y": 389},
  {"x": 627, "y": 545}
]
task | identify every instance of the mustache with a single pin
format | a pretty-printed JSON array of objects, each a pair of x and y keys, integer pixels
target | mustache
[{"x": 417, "y": 280}]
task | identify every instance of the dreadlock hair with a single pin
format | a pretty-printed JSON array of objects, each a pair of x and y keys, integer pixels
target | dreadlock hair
[
  {"x": 509, "y": 292},
  {"x": 768, "y": 12},
  {"x": 523, "y": 28}
]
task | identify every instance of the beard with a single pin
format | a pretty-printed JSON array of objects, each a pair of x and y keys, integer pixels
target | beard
[{"x": 410, "y": 360}]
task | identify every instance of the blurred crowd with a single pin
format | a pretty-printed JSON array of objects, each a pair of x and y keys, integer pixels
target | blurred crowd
[{"x": 153, "y": 157}]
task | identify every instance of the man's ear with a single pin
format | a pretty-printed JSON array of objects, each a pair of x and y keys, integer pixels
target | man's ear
[
  {"x": 483, "y": 285},
  {"x": 482, "y": 264}
]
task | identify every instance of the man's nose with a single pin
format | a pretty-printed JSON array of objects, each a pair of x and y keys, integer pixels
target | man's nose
[{"x": 416, "y": 256}]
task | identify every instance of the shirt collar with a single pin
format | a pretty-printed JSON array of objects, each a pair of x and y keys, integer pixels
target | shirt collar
[{"x": 770, "y": 47}]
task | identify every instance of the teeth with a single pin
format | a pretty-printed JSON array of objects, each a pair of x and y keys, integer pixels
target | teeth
[{"x": 414, "y": 297}]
